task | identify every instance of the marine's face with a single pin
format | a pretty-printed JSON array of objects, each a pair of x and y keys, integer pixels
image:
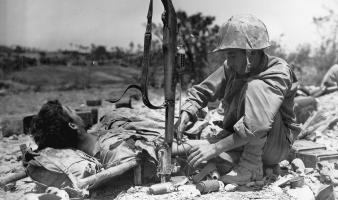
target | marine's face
[
  {"x": 236, "y": 60},
  {"x": 242, "y": 61}
]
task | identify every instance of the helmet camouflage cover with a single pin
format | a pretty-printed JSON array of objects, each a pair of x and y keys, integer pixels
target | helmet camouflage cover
[{"x": 243, "y": 32}]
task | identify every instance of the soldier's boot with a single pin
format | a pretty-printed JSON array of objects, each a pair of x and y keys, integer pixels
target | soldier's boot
[{"x": 250, "y": 166}]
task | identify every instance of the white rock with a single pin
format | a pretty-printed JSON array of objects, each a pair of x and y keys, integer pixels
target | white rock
[
  {"x": 60, "y": 193},
  {"x": 301, "y": 193},
  {"x": 277, "y": 189},
  {"x": 230, "y": 187},
  {"x": 284, "y": 163},
  {"x": 188, "y": 191},
  {"x": 298, "y": 165}
]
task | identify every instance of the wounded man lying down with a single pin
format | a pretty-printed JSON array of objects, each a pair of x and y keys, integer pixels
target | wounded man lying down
[{"x": 58, "y": 131}]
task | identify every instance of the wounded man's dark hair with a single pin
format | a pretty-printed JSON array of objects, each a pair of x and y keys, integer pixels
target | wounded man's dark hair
[{"x": 50, "y": 128}]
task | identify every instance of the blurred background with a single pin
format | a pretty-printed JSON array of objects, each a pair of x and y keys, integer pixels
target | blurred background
[{"x": 75, "y": 50}]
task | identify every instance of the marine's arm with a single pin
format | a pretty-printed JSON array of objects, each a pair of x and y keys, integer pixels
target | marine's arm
[
  {"x": 263, "y": 99},
  {"x": 199, "y": 95}
]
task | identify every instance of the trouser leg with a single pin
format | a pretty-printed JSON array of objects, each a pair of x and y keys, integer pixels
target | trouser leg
[
  {"x": 278, "y": 144},
  {"x": 250, "y": 166}
]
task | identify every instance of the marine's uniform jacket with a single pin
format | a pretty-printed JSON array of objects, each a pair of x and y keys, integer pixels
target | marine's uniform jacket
[{"x": 250, "y": 103}]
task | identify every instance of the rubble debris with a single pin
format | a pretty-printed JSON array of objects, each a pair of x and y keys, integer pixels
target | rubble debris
[
  {"x": 230, "y": 187},
  {"x": 161, "y": 188},
  {"x": 327, "y": 136},
  {"x": 207, "y": 170},
  {"x": 328, "y": 174},
  {"x": 210, "y": 186},
  {"x": 215, "y": 175},
  {"x": 311, "y": 153},
  {"x": 179, "y": 180},
  {"x": 298, "y": 166},
  {"x": 284, "y": 164},
  {"x": 325, "y": 192},
  {"x": 50, "y": 193},
  {"x": 60, "y": 193},
  {"x": 284, "y": 167},
  {"x": 301, "y": 193},
  {"x": 271, "y": 174},
  {"x": 300, "y": 146},
  {"x": 94, "y": 102},
  {"x": 311, "y": 158},
  {"x": 282, "y": 181},
  {"x": 9, "y": 187},
  {"x": 297, "y": 182},
  {"x": 318, "y": 179},
  {"x": 276, "y": 189},
  {"x": 259, "y": 183},
  {"x": 188, "y": 191}
]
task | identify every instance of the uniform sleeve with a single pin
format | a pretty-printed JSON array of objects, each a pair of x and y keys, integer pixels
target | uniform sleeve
[
  {"x": 262, "y": 100},
  {"x": 208, "y": 90}
]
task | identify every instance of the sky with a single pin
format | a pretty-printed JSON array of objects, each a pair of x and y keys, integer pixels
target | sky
[{"x": 55, "y": 24}]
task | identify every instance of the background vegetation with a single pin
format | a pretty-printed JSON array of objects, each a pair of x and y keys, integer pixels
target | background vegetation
[{"x": 83, "y": 67}]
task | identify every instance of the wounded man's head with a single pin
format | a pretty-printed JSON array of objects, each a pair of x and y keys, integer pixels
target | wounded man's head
[{"x": 56, "y": 126}]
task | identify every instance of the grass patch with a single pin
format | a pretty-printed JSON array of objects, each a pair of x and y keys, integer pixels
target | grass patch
[{"x": 42, "y": 78}]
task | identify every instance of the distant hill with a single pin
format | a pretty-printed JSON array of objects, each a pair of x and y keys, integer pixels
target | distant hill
[{"x": 47, "y": 78}]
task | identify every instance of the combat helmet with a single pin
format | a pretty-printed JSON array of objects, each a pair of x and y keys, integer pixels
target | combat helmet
[{"x": 243, "y": 32}]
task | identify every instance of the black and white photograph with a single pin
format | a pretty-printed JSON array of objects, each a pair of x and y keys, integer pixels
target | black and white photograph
[{"x": 168, "y": 99}]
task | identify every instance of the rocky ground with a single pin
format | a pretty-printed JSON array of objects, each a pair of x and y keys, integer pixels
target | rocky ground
[{"x": 326, "y": 134}]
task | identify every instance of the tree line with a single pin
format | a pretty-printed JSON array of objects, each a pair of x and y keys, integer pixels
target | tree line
[{"x": 198, "y": 36}]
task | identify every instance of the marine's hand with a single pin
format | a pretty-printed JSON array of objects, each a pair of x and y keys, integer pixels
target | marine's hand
[
  {"x": 182, "y": 124},
  {"x": 202, "y": 153},
  {"x": 183, "y": 121}
]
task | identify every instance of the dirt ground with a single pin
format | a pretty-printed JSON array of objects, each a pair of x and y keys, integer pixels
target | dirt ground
[{"x": 10, "y": 162}]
